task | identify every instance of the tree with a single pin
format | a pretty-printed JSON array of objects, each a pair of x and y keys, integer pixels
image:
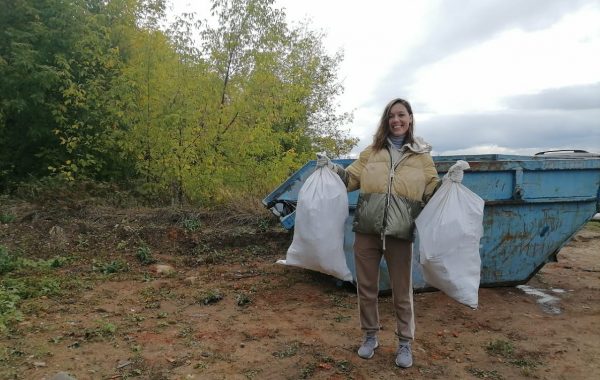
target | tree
[
  {"x": 28, "y": 86},
  {"x": 57, "y": 66},
  {"x": 106, "y": 90},
  {"x": 276, "y": 86}
]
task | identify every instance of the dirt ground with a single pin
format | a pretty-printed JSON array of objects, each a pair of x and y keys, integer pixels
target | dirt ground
[{"x": 102, "y": 310}]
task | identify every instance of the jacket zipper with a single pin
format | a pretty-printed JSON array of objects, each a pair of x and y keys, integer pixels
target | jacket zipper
[{"x": 393, "y": 167}]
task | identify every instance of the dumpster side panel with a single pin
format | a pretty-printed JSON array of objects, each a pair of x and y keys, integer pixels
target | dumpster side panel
[{"x": 519, "y": 239}]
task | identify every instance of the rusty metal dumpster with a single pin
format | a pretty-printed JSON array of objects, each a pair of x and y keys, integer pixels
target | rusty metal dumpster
[{"x": 533, "y": 207}]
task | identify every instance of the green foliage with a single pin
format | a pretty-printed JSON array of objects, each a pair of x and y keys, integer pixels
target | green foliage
[
  {"x": 12, "y": 262},
  {"x": 102, "y": 330},
  {"x": 204, "y": 254},
  {"x": 114, "y": 266},
  {"x": 103, "y": 91},
  {"x": 57, "y": 68},
  {"x": 484, "y": 374},
  {"x": 107, "y": 329},
  {"x": 34, "y": 286},
  {"x": 9, "y": 313},
  {"x": 264, "y": 224},
  {"x": 288, "y": 350},
  {"x": 7, "y": 218},
  {"x": 8, "y": 261},
  {"x": 29, "y": 283},
  {"x": 191, "y": 224},
  {"x": 242, "y": 299},
  {"x": 501, "y": 348},
  {"x": 144, "y": 255},
  {"x": 210, "y": 297}
]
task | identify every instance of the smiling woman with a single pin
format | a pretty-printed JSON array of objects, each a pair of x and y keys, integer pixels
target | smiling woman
[{"x": 395, "y": 176}]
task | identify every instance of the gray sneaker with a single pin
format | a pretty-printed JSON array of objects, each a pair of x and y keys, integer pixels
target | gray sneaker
[
  {"x": 404, "y": 355},
  {"x": 367, "y": 349}
]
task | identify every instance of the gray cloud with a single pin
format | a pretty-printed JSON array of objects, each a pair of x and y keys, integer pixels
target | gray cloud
[
  {"x": 459, "y": 25},
  {"x": 564, "y": 98},
  {"x": 561, "y": 118},
  {"x": 520, "y": 130}
]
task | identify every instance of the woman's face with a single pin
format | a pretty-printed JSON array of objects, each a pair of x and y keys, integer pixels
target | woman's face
[{"x": 399, "y": 120}]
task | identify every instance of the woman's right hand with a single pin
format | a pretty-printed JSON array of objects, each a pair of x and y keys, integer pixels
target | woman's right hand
[{"x": 323, "y": 160}]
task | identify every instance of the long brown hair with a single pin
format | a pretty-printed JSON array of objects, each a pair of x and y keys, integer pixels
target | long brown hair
[{"x": 383, "y": 130}]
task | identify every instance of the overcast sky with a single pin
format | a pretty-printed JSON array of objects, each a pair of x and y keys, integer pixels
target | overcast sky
[{"x": 483, "y": 76}]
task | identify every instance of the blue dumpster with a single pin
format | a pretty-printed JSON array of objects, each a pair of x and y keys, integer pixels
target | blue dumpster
[{"x": 533, "y": 206}]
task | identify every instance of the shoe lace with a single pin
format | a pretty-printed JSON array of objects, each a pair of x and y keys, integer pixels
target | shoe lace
[
  {"x": 370, "y": 340},
  {"x": 403, "y": 349}
]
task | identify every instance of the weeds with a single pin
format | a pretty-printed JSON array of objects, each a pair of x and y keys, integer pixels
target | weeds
[
  {"x": 263, "y": 224},
  {"x": 114, "y": 266},
  {"x": 9, "y": 313},
  {"x": 255, "y": 251},
  {"x": 308, "y": 371},
  {"x": 7, "y": 218},
  {"x": 252, "y": 373},
  {"x": 210, "y": 297},
  {"x": 340, "y": 302},
  {"x": 484, "y": 374},
  {"x": 500, "y": 348},
  {"x": 34, "y": 286},
  {"x": 152, "y": 298},
  {"x": 8, "y": 262},
  {"x": 107, "y": 329},
  {"x": 82, "y": 242},
  {"x": 524, "y": 363},
  {"x": 204, "y": 254},
  {"x": 288, "y": 350},
  {"x": 144, "y": 255},
  {"x": 25, "y": 286},
  {"x": 191, "y": 224},
  {"x": 11, "y": 262},
  {"x": 103, "y": 330},
  {"x": 341, "y": 318},
  {"x": 344, "y": 366},
  {"x": 243, "y": 299},
  {"x": 527, "y": 361}
]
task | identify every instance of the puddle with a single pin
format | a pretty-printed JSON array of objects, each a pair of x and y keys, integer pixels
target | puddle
[{"x": 547, "y": 301}]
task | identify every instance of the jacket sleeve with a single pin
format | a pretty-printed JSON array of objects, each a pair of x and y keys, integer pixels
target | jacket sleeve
[
  {"x": 355, "y": 169},
  {"x": 431, "y": 177}
]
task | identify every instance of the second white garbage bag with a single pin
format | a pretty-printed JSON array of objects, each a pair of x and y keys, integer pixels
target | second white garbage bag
[
  {"x": 449, "y": 229},
  {"x": 321, "y": 213}
]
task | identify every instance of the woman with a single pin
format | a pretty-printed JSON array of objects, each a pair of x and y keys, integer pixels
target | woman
[{"x": 396, "y": 176}]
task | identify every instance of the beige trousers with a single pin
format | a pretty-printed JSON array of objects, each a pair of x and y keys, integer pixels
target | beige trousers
[{"x": 368, "y": 250}]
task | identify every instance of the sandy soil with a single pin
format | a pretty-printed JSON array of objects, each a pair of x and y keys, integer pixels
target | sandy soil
[{"x": 229, "y": 312}]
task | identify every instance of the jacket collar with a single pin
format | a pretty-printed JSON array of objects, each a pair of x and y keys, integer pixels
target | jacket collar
[{"x": 418, "y": 146}]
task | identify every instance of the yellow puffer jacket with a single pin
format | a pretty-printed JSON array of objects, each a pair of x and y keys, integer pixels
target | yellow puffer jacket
[{"x": 394, "y": 186}]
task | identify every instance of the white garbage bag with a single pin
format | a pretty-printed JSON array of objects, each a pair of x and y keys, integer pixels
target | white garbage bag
[
  {"x": 449, "y": 229},
  {"x": 321, "y": 212}
]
